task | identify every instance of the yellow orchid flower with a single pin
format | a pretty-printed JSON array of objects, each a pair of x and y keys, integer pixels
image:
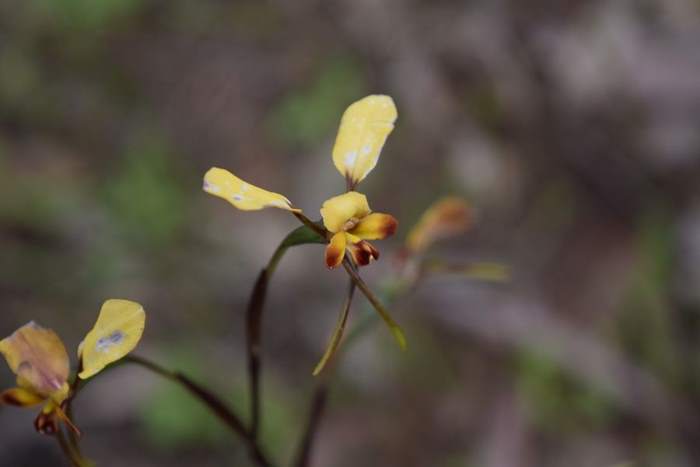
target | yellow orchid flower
[
  {"x": 350, "y": 220},
  {"x": 363, "y": 130},
  {"x": 39, "y": 359},
  {"x": 349, "y": 223}
]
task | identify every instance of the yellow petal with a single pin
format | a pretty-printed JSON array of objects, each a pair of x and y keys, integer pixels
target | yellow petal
[
  {"x": 363, "y": 130},
  {"x": 375, "y": 226},
  {"x": 38, "y": 358},
  {"x": 21, "y": 397},
  {"x": 337, "y": 211},
  {"x": 335, "y": 251},
  {"x": 117, "y": 331},
  {"x": 244, "y": 196},
  {"x": 448, "y": 217}
]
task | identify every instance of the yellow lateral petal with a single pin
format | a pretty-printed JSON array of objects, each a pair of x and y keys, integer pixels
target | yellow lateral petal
[
  {"x": 445, "y": 218},
  {"x": 335, "y": 250},
  {"x": 340, "y": 209},
  {"x": 363, "y": 130},
  {"x": 243, "y": 195},
  {"x": 117, "y": 331},
  {"x": 38, "y": 358},
  {"x": 375, "y": 226},
  {"x": 20, "y": 397}
]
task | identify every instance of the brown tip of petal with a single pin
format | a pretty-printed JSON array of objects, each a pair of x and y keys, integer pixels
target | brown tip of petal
[
  {"x": 334, "y": 256},
  {"x": 363, "y": 252},
  {"x": 8, "y": 397},
  {"x": 333, "y": 260},
  {"x": 390, "y": 227},
  {"x": 46, "y": 423},
  {"x": 372, "y": 250}
]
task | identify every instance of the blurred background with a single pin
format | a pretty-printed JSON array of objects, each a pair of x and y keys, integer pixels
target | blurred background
[{"x": 571, "y": 128}]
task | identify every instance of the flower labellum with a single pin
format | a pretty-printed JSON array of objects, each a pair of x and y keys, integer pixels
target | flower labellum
[{"x": 350, "y": 220}]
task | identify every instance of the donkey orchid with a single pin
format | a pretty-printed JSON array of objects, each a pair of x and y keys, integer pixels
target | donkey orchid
[
  {"x": 347, "y": 218},
  {"x": 39, "y": 359}
]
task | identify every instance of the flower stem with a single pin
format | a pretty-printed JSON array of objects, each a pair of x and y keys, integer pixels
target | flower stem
[
  {"x": 74, "y": 457},
  {"x": 318, "y": 405},
  {"x": 309, "y": 233},
  {"x": 376, "y": 303},
  {"x": 214, "y": 403}
]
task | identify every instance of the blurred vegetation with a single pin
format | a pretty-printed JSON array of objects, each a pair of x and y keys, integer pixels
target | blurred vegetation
[{"x": 571, "y": 128}]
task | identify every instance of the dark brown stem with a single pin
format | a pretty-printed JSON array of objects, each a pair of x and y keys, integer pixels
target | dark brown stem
[
  {"x": 254, "y": 312},
  {"x": 214, "y": 403},
  {"x": 318, "y": 405}
]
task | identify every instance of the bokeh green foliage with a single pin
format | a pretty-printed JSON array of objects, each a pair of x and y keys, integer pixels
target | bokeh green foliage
[
  {"x": 171, "y": 419},
  {"x": 146, "y": 195},
  {"x": 557, "y": 399},
  {"x": 309, "y": 114}
]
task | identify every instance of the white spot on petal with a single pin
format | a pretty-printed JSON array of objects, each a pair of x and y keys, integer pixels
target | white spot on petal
[
  {"x": 104, "y": 343},
  {"x": 238, "y": 197},
  {"x": 350, "y": 158},
  {"x": 210, "y": 187},
  {"x": 366, "y": 149}
]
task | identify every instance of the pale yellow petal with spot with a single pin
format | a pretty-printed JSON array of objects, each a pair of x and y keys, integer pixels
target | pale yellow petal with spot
[
  {"x": 243, "y": 195},
  {"x": 38, "y": 358},
  {"x": 363, "y": 130},
  {"x": 340, "y": 209},
  {"x": 117, "y": 331}
]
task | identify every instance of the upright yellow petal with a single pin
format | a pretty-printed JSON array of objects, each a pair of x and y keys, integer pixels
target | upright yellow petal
[
  {"x": 446, "y": 217},
  {"x": 339, "y": 210},
  {"x": 117, "y": 331},
  {"x": 244, "y": 196},
  {"x": 363, "y": 130},
  {"x": 38, "y": 358}
]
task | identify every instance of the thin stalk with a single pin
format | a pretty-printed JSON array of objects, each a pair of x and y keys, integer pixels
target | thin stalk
[
  {"x": 318, "y": 405},
  {"x": 320, "y": 395},
  {"x": 254, "y": 314},
  {"x": 337, "y": 335},
  {"x": 311, "y": 233},
  {"x": 214, "y": 403},
  {"x": 376, "y": 303},
  {"x": 73, "y": 457},
  {"x": 311, "y": 224}
]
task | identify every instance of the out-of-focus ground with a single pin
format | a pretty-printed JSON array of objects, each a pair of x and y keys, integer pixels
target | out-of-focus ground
[{"x": 571, "y": 127}]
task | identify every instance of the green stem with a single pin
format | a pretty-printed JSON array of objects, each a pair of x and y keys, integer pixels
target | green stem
[
  {"x": 73, "y": 457},
  {"x": 321, "y": 231},
  {"x": 376, "y": 303},
  {"x": 337, "y": 335},
  {"x": 216, "y": 405},
  {"x": 310, "y": 232}
]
